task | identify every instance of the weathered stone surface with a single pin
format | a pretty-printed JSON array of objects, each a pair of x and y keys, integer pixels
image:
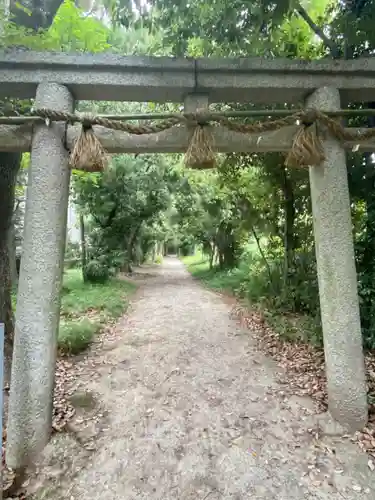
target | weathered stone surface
[
  {"x": 38, "y": 304},
  {"x": 337, "y": 278},
  {"x": 164, "y": 79}
]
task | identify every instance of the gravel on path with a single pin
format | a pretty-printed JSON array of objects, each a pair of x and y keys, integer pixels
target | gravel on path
[{"x": 187, "y": 408}]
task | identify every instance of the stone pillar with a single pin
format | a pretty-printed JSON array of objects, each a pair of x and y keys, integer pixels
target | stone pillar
[
  {"x": 38, "y": 304},
  {"x": 195, "y": 102},
  {"x": 337, "y": 277}
]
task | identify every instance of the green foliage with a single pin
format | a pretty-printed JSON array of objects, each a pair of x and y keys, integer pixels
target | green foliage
[
  {"x": 72, "y": 263},
  {"x": 70, "y": 31},
  {"x": 72, "y": 251},
  {"x": 76, "y": 336},
  {"x": 249, "y": 281},
  {"x": 217, "y": 21},
  {"x": 100, "y": 301},
  {"x": 254, "y": 198},
  {"x": 237, "y": 28},
  {"x": 125, "y": 206},
  {"x": 74, "y": 31},
  {"x": 159, "y": 259},
  {"x": 108, "y": 300},
  {"x": 96, "y": 272}
]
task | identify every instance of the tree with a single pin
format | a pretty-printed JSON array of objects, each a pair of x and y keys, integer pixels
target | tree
[
  {"x": 9, "y": 164},
  {"x": 124, "y": 204},
  {"x": 42, "y": 24},
  {"x": 34, "y": 14},
  {"x": 255, "y": 197}
]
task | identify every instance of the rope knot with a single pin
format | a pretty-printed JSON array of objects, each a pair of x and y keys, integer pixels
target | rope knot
[
  {"x": 87, "y": 120},
  {"x": 309, "y": 116},
  {"x": 88, "y": 154},
  {"x": 199, "y": 117}
]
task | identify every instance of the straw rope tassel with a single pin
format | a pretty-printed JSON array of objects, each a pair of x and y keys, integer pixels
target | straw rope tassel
[
  {"x": 307, "y": 148},
  {"x": 200, "y": 153},
  {"x": 88, "y": 154}
]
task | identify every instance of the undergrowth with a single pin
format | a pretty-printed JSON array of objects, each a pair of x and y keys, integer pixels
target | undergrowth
[
  {"x": 247, "y": 283},
  {"x": 108, "y": 298},
  {"x": 86, "y": 306},
  {"x": 76, "y": 335}
]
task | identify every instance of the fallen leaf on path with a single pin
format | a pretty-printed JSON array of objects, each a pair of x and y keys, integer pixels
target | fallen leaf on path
[
  {"x": 68, "y": 374},
  {"x": 304, "y": 368}
]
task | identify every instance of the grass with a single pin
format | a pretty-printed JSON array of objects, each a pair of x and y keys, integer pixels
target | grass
[
  {"x": 85, "y": 307},
  {"x": 159, "y": 259},
  {"x": 75, "y": 336},
  {"x": 199, "y": 266},
  {"x": 110, "y": 299},
  {"x": 196, "y": 263}
]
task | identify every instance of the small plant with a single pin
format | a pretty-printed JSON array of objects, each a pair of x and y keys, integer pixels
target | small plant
[
  {"x": 159, "y": 259},
  {"x": 96, "y": 272},
  {"x": 76, "y": 336}
]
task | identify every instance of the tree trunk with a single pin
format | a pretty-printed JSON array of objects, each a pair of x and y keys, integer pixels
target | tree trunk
[
  {"x": 9, "y": 164},
  {"x": 83, "y": 245},
  {"x": 6, "y": 313},
  {"x": 289, "y": 209},
  {"x": 12, "y": 249},
  {"x": 257, "y": 239},
  {"x": 228, "y": 246},
  {"x": 212, "y": 256},
  {"x": 221, "y": 259},
  {"x": 132, "y": 241}
]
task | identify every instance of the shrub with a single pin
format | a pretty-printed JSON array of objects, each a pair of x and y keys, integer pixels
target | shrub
[
  {"x": 96, "y": 272},
  {"x": 159, "y": 259},
  {"x": 76, "y": 336}
]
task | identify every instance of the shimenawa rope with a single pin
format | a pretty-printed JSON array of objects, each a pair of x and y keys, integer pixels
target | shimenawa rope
[{"x": 307, "y": 148}]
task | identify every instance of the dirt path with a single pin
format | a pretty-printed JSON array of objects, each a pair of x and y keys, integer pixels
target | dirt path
[{"x": 186, "y": 408}]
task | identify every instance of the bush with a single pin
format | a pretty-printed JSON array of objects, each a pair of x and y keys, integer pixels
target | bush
[
  {"x": 76, "y": 336},
  {"x": 159, "y": 259},
  {"x": 96, "y": 272}
]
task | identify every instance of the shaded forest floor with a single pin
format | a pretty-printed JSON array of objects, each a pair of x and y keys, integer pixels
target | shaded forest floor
[{"x": 179, "y": 401}]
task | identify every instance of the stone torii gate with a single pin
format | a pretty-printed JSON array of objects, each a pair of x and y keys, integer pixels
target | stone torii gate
[{"x": 57, "y": 80}]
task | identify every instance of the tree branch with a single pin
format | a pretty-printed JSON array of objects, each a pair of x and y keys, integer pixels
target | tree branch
[
  {"x": 109, "y": 218},
  {"x": 328, "y": 43},
  {"x": 257, "y": 239}
]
